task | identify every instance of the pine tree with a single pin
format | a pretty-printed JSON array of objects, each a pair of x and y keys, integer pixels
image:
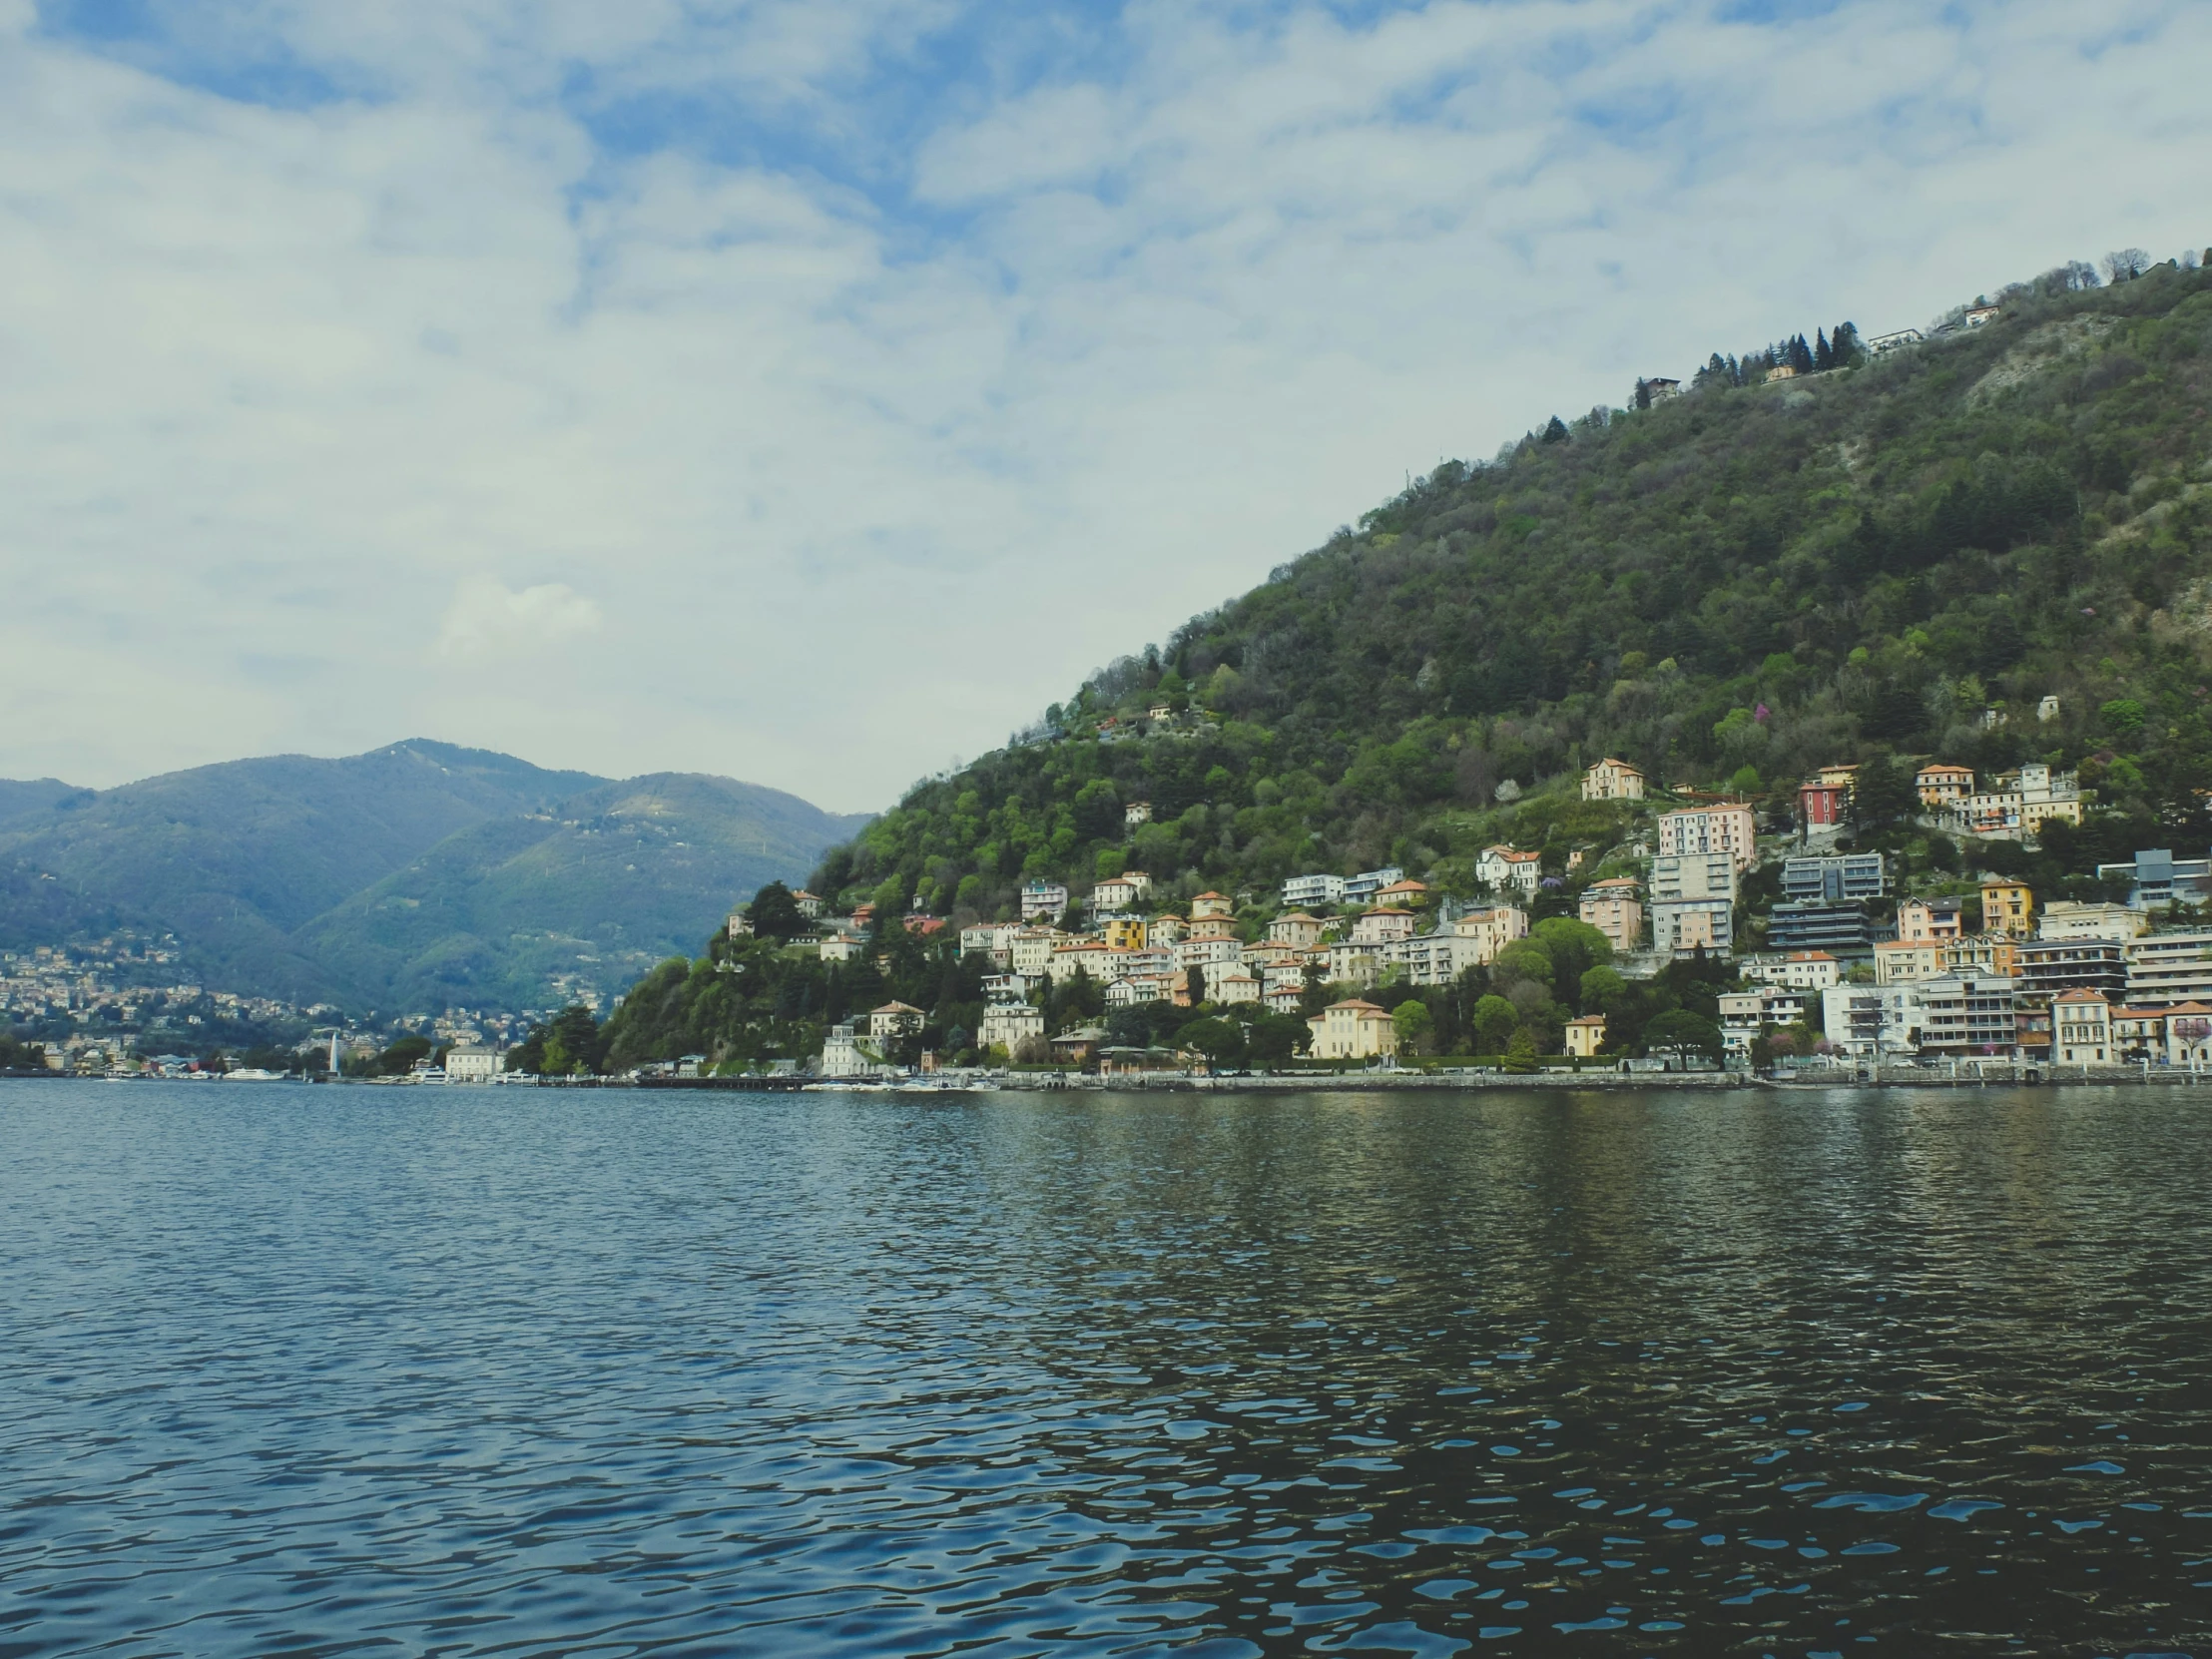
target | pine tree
[
  {"x": 1823, "y": 357},
  {"x": 1643, "y": 393},
  {"x": 1556, "y": 431}
]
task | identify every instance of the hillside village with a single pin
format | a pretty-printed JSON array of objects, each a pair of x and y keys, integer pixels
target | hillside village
[{"x": 1811, "y": 941}]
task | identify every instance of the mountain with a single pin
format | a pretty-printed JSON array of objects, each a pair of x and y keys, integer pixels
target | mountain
[
  {"x": 1808, "y": 556},
  {"x": 505, "y": 873}
]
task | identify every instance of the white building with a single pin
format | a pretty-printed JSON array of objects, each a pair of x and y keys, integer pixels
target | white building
[
  {"x": 2066, "y": 919},
  {"x": 1492, "y": 928},
  {"x": 1800, "y": 971},
  {"x": 1300, "y": 891},
  {"x": 1692, "y": 875},
  {"x": 1381, "y": 927},
  {"x": 1363, "y": 886},
  {"x": 2166, "y": 968},
  {"x": 1967, "y": 1014},
  {"x": 1744, "y": 1013},
  {"x": 1213, "y": 956},
  {"x": 1503, "y": 866},
  {"x": 471, "y": 1065},
  {"x": 1030, "y": 951},
  {"x": 1354, "y": 965},
  {"x": 1873, "y": 1021},
  {"x": 1008, "y": 1024},
  {"x": 1680, "y": 926},
  {"x": 842, "y": 947},
  {"x": 2081, "y": 1029},
  {"x": 1436, "y": 958},
  {"x": 842, "y": 1055},
  {"x": 1612, "y": 779},
  {"x": 1043, "y": 898}
]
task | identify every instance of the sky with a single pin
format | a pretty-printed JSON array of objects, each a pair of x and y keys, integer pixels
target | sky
[{"x": 813, "y": 392}]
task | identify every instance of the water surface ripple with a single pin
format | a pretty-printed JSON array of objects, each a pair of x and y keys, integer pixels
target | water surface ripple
[{"x": 458, "y": 1372}]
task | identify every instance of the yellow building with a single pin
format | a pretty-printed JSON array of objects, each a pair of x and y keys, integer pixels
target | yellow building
[
  {"x": 1612, "y": 779},
  {"x": 1612, "y": 908},
  {"x": 1298, "y": 930},
  {"x": 1994, "y": 954},
  {"x": 1124, "y": 932},
  {"x": 1939, "y": 785},
  {"x": 1586, "y": 1035},
  {"x": 1208, "y": 905},
  {"x": 2006, "y": 908},
  {"x": 1353, "y": 1030}
]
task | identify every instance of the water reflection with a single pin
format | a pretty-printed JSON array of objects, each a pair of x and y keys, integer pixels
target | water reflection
[{"x": 1787, "y": 1374}]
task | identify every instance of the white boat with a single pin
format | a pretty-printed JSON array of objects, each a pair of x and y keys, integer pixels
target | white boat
[{"x": 252, "y": 1074}]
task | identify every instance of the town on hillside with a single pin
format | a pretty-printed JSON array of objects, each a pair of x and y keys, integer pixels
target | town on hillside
[{"x": 1697, "y": 934}]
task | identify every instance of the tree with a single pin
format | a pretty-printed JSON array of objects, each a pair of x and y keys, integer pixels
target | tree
[
  {"x": 1222, "y": 1041},
  {"x": 1602, "y": 991},
  {"x": 1884, "y": 794},
  {"x": 2124, "y": 265},
  {"x": 1680, "y": 1031},
  {"x": 1193, "y": 980},
  {"x": 1520, "y": 1054},
  {"x": 1642, "y": 398},
  {"x": 1494, "y": 1023},
  {"x": 775, "y": 913},
  {"x": 1555, "y": 431},
  {"x": 1574, "y": 949},
  {"x": 1276, "y": 1039},
  {"x": 399, "y": 1058},
  {"x": 1413, "y": 1021}
]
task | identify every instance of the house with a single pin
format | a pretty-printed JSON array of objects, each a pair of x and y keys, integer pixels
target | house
[
  {"x": 2048, "y": 710},
  {"x": 2031, "y": 1027},
  {"x": 1362, "y": 888},
  {"x": 1901, "y": 961},
  {"x": 1140, "y": 987},
  {"x": 1072, "y": 957},
  {"x": 894, "y": 1019},
  {"x": 1502, "y": 867},
  {"x": 1122, "y": 932},
  {"x": 2138, "y": 1034},
  {"x": 2164, "y": 969},
  {"x": 1212, "y": 907},
  {"x": 739, "y": 926},
  {"x": 1300, "y": 891},
  {"x": 1782, "y": 371},
  {"x": 1977, "y": 316},
  {"x": 1585, "y": 1034},
  {"x": 1354, "y": 965},
  {"x": 1284, "y": 999},
  {"x": 1835, "y": 876},
  {"x": 1160, "y": 711},
  {"x": 2006, "y": 907},
  {"x": 1871, "y": 1021},
  {"x": 1030, "y": 949},
  {"x": 1682, "y": 926},
  {"x": 1436, "y": 958},
  {"x": 1800, "y": 971},
  {"x": 842, "y": 947},
  {"x": 1981, "y": 953},
  {"x": 1844, "y": 776},
  {"x": 1401, "y": 894},
  {"x": 1043, "y": 898},
  {"x": 1232, "y": 988},
  {"x": 1381, "y": 927},
  {"x": 1612, "y": 779},
  {"x": 1728, "y": 828},
  {"x": 2189, "y": 1035},
  {"x": 1744, "y": 1014},
  {"x": 1882, "y": 344},
  {"x": 988, "y": 938},
  {"x": 809, "y": 906},
  {"x": 1938, "y": 786},
  {"x": 1296, "y": 929},
  {"x": 1008, "y": 1025},
  {"x": 1163, "y": 931},
  {"x": 1213, "y": 927},
  {"x": 1136, "y": 812},
  {"x": 1353, "y": 1030},
  {"x": 1492, "y": 928},
  {"x": 1822, "y": 805},
  {"x": 1119, "y": 892},
  {"x": 471, "y": 1063},
  {"x": 2066, "y": 919},
  {"x": 841, "y": 1054},
  {"x": 1611, "y": 907},
  {"x": 2081, "y": 1029},
  {"x": 1075, "y": 1048},
  {"x": 1660, "y": 390},
  {"x": 1921, "y": 920}
]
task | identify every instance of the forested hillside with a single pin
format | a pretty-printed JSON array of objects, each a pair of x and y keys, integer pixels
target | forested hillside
[{"x": 1902, "y": 554}]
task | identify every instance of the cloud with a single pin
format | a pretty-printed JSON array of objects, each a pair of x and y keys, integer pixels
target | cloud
[
  {"x": 488, "y": 618},
  {"x": 879, "y": 369}
]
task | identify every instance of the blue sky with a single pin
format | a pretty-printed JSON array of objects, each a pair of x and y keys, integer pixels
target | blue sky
[{"x": 813, "y": 392}]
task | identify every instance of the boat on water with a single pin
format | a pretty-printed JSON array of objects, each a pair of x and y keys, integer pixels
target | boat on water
[{"x": 252, "y": 1074}]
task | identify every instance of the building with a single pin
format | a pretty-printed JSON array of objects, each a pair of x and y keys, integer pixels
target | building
[
  {"x": 2054, "y": 966},
  {"x": 1122, "y": 932},
  {"x": 1403, "y": 894},
  {"x": 2081, "y": 1029},
  {"x": 842, "y": 1055},
  {"x": 1162, "y": 931},
  {"x": 1121, "y": 892},
  {"x": 2188, "y": 1035},
  {"x": 1982, "y": 953},
  {"x": 1008, "y": 1025},
  {"x": 1072, "y": 957},
  {"x": 1136, "y": 812},
  {"x": 1492, "y": 928},
  {"x": 2164, "y": 969},
  {"x": 1048, "y": 899},
  {"x": 1871, "y": 1021},
  {"x": 840, "y": 947},
  {"x": 988, "y": 938},
  {"x": 1841, "y": 875},
  {"x": 739, "y": 926},
  {"x": 1906, "y": 961},
  {"x": 2019, "y": 803},
  {"x": 1353, "y": 965},
  {"x": 1612, "y": 779},
  {"x": 1660, "y": 390},
  {"x": 1881, "y": 344},
  {"x": 2031, "y": 1031},
  {"x": 2156, "y": 877},
  {"x": 1381, "y": 927},
  {"x": 1977, "y": 316},
  {"x": 810, "y": 904},
  {"x": 1680, "y": 926},
  {"x": 1585, "y": 1034},
  {"x": 1612, "y": 908},
  {"x": 1300, "y": 891},
  {"x": 894, "y": 1019},
  {"x": 1966, "y": 1015},
  {"x": 1353, "y": 1030},
  {"x": 1805, "y": 926},
  {"x": 1140, "y": 987},
  {"x": 471, "y": 1063},
  {"x": 1744, "y": 1014},
  {"x": 1212, "y": 956},
  {"x": 1940, "y": 785},
  {"x": 2006, "y": 907},
  {"x": 1692, "y": 875},
  {"x": 1436, "y": 958},
  {"x": 1729, "y": 828},
  {"x": 1298, "y": 930},
  {"x": 1213, "y": 906},
  {"x": 1822, "y": 806},
  {"x": 1234, "y": 986},
  {"x": 1362, "y": 888},
  {"x": 1922, "y": 920},
  {"x": 1800, "y": 971},
  {"x": 1502, "y": 867},
  {"x": 2066, "y": 919}
]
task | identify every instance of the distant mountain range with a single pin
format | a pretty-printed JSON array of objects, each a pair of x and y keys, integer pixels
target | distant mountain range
[{"x": 416, "y": 877}]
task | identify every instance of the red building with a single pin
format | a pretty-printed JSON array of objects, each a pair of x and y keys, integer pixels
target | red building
[{"x": 1822, "y": 805}]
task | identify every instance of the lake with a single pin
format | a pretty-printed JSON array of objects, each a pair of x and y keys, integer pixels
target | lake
[{"x": 345, "y": 1370}]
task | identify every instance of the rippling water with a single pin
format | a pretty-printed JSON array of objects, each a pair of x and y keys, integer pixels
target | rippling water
[{"x": 474, "y": 1372}]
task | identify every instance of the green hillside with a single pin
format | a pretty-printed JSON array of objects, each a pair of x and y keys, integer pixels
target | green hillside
[
  {"x": 598, "y": 890},
  {"x": 1728, "y": 588},
  {"x": 411, "y": 876}
]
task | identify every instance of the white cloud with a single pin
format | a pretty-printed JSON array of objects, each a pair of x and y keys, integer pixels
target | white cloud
[
  {"x": 488, "y": 618},
  {"x": 877, "y": 403}
]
